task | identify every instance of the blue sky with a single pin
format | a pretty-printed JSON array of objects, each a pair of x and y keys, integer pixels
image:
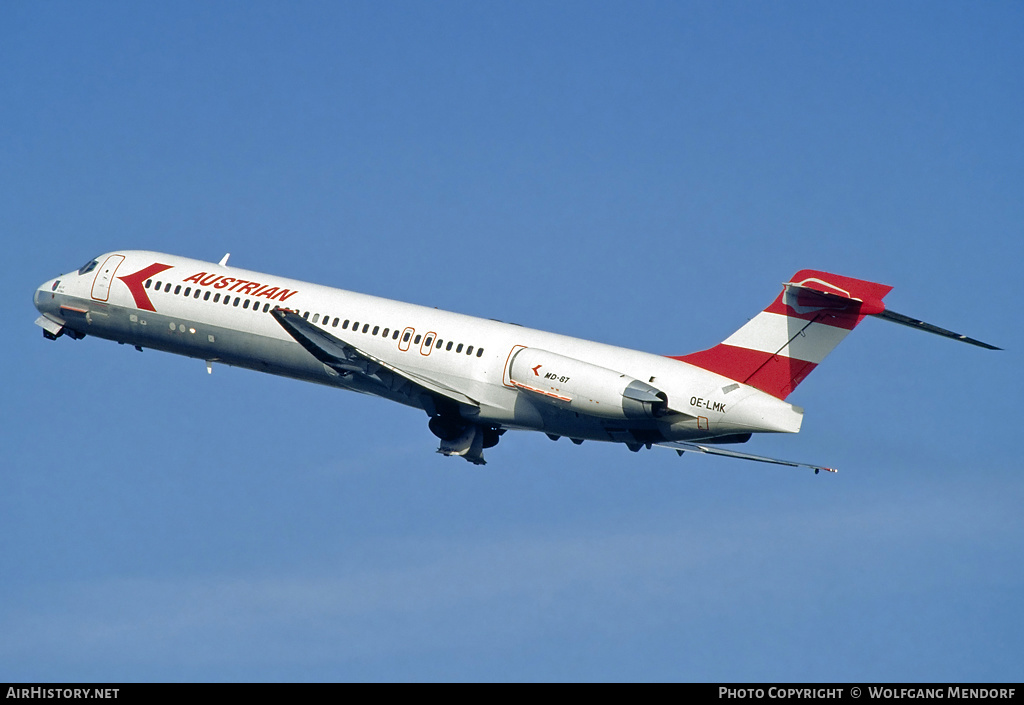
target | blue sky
[{"x": 643, "y": 174}]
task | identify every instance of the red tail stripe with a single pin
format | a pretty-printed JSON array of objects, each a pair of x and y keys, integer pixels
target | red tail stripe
[
  {"x": 770, "y": 373},
  {"x": 810, "y": 295}
]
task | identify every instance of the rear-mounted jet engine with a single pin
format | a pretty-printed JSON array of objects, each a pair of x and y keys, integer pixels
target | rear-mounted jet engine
[{"x": 583, "y": 387}]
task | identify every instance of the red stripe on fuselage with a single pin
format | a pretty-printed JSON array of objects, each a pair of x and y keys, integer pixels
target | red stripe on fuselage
[{"x": 136, "y": 284}]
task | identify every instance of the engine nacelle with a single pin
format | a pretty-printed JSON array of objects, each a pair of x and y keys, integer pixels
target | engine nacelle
[{"x": 583, "y": 387}]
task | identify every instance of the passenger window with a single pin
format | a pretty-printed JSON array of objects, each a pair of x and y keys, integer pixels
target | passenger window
[
  {"x": 386, "y": 333},
  {"x": 216, "y": 298},
  {"x": 188, "y": 292},
  {"x": 469, "y": 350},
  {"x": 344, "y": 326},
  {"x": 237, "y": 300},
  {"x": 158, "y": 285},
  {"x": 245, "y": 304},
  {"x": 148, "y": 282},
  {"x": 366, "y": 327},
  {"x": 479, "y": 352},
  {"x": 167, "y": 288},
  {"x": 206, "y": 296},
  {"x": 405, "y": 338},
  {"x": 355, "y": 327},
  {"x": 316, "y": 317},
  {"x": 428, "y": 342},
  {"x": 439, "y": 342},
  {"x": 305, "y": 315},
  {"x": 458, "y": 348},
  {"x": 394, "y": 336},
  {"x": 177, "y": 290},
  {"x": 376, "y": 329},
  {"x": 266, "y": 307},
  {"x": 448, "y": 346},
  {"x": 416, "y": 341},
  {"x": 335, "y": 324}
]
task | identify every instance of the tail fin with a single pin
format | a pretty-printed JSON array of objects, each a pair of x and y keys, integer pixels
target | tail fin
[{"x": 783, "y": 344}]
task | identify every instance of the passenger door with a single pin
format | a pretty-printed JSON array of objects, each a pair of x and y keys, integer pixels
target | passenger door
[{"x": 104, "y": 275}]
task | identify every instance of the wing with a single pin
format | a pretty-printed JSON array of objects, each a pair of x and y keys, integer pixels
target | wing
[
  {"x": 347, "y": 359},
  {"x": 680, "y": 447}
]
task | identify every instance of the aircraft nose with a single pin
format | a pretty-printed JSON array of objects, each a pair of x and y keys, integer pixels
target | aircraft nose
[{"x": 45, "y": 294}]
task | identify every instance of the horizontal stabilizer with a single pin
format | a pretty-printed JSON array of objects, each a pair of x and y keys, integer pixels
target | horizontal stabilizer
[{"x": 921, "y": 325}]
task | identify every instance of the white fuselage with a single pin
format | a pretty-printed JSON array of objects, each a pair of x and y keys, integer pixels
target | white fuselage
[{"x": 221, "y": 314}]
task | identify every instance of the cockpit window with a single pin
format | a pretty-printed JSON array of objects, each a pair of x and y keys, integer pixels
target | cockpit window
[{"x": 89, "y": 266}]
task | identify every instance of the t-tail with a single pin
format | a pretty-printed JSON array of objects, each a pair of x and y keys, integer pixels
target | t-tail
[{"x": 779, "y": 347}]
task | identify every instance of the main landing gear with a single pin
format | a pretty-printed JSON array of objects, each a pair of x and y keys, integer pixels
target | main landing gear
[{"x": 464, "y": 438}]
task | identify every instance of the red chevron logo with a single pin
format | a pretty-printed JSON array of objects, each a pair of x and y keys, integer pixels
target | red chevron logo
[{"x": 136, "y": 284}]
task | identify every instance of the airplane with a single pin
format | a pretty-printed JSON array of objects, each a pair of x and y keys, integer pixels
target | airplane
[{"x": 475, "y": 378}]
